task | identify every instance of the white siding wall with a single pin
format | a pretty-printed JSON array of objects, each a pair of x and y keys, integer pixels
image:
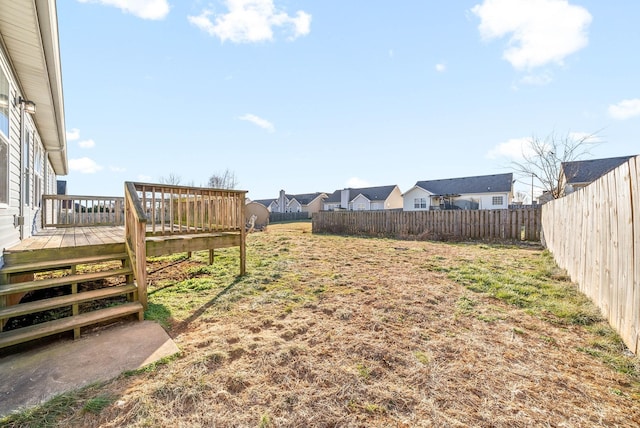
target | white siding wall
[
  {"x": 330, "y": 206},
  {"x": 411, "y": 195},
  {"x": 294, "y": 206},
  {"x": 9, "y": 234},
  {"x": 360, "y": 203},
  {"x": 485, "y": 200}
]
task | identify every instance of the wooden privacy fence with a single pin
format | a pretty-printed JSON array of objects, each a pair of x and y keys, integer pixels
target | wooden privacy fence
[
  {"x": 71, "y": 211},
  {"x": 277, "y": 217},
  {"x": 513, "y": 224},
  {"x": 594, "y": 233}
]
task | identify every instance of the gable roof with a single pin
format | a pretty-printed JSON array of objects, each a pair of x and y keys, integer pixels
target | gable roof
[
  {"x": 305, "y": 198},
  {"x": 479, "y": 184},
  {"x": 265, "y": 202},
  {"x": 586, "y": 171},
  {"x": 380, "y": 193}
]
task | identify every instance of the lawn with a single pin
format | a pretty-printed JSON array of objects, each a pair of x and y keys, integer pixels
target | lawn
[{"x": 331, "y": 331}]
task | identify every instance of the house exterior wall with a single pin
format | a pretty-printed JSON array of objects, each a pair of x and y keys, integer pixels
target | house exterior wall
[
  {"x": 408, "y": 200},
  {"x": 314, "y": 206},
  {"x": 331, "y": 206},
  {"x": 394, "y": 200},
  {"x": 294, "y": 206},
  {"x": 360, "y": 203},
  {"x": 483, "y": 201},
  {"x": 40, "y": 171}
]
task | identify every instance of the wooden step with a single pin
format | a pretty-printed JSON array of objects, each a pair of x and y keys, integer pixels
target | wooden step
[
  {"x": 67, "y": 300},
  {"x": 52, "y": 264},
  {"x": 21, "y": 287},
  {"x": 13, "y": 337}
]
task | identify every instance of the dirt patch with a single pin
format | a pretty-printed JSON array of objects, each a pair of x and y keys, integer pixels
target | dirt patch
[{"x": 337, "y": 331}]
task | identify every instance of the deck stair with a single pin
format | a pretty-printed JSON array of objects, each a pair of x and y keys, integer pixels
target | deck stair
[{"x": 81, "y": 289}]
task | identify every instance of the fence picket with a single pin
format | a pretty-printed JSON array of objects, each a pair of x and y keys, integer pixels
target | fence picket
[{"x": 594, "y": 233}]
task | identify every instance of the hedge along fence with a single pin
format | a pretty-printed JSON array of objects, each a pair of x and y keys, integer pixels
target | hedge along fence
[
  {"x": 594, "y": 233},
  {"x": 513, "y": 224}
]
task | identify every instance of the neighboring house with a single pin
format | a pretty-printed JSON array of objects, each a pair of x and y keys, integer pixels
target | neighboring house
[
  {"x": 306, "y": 203},
  {"x": 577, "y": 174},
  {"x": 485, "y": 192},
  {"x": 32, "y": 130},
  {"x": 365, "y": 199}
]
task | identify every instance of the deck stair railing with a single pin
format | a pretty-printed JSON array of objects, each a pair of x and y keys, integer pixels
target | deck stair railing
[
  {"x": 74, "y": 210},
  {"x": 161, "y": 210}
]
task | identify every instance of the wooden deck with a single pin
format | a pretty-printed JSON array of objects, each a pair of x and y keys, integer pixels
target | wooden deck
[{"x": 71, "y": 237}]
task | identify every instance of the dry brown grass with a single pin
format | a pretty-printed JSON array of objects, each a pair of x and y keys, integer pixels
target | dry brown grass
[{"x": 330, "y": 331}]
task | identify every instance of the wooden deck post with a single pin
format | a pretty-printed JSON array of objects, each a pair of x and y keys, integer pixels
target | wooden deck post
[{"x": 243, "y": 235}]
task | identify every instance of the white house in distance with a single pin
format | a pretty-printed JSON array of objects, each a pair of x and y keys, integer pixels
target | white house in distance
[
  {"x": 32, "y": 130},
  {"x": 485, "y": 192},
  {"x": 302, "y": 203},
  {"x": 365, "y": 199}
]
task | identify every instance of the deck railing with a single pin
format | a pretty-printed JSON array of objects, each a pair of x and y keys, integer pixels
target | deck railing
[
  {"x": 73, "y": 210},
  {"x": 181, "y": 210},
  {"x": 165, "y": 210},
  {"x": 135, "y": 232}
]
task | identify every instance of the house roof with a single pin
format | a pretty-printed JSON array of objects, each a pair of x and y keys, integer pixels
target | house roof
[
  {"x": 265, "y": 202},
  {"x": 465, "y": 185},
  {"x": 29, "y": 31},
  {"x": 586, "y": 171},
  {"x": 380, "y": 193},
  {"x": 305, "y": 198}
]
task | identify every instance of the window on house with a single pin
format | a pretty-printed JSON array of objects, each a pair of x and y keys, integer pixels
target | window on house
[
  {"x": 496, "y": 200},
  {"x": 38, "y": 176},
  {"x": 4, "y": 104},
  {"x": 420, "y": 203}
]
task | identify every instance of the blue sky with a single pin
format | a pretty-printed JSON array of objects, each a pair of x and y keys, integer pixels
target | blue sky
[{"x": 313, "y": 96}]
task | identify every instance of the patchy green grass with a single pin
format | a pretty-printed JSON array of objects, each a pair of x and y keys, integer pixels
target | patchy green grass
[
  {"x": 541, "y": 289},
  {"x": 342, "y": 331}
]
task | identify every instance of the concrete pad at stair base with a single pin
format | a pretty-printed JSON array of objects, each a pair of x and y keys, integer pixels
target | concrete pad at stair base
[{"x": 33, "y": 377}]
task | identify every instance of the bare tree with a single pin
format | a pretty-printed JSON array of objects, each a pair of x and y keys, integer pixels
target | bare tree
[
  {"x": 172, "y": 179},
  {"x": 542, "y": 159},
  {"x": 224, "y": 180},
  {"x": 520, "y": 197}
]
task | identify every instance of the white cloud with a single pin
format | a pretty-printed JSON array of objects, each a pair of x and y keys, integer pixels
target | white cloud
[
  {"x": 250, "y": 21},
  {"x": 441, "y": 68},
  {"x": 116, "y": 168},
  {"x": 258, "y": 121},
  {"x": 586, "y": 137},
  {"x": 356, "y": 182},
  {"x": 391, "y": 54},
  {"x": 625, "y": 109},
  {"x": 541, "y": 31},
  {"x": 84, "y": 165},
  {"x": 513, "y": 149},
  {"x": 73, "y": 134},
  {"x": 145, "y": 9},
  {"x": 144, "y": 178},
  {"x": 540, "y": 79},
  {"x": 86, "y": 144}
]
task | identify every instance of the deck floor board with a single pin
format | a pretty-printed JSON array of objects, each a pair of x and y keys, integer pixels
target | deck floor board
[{"x": 71, "y": 237}]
